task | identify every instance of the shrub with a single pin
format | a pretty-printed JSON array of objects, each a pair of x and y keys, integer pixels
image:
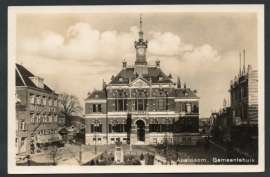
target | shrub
[{"x": 92, "y": 162}]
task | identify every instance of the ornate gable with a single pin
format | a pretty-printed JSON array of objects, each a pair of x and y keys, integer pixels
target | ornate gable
[{"x": 140, "y": 82}]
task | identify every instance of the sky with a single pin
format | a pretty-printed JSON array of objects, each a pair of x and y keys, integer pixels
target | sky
[{"x": 74, "y": 52}]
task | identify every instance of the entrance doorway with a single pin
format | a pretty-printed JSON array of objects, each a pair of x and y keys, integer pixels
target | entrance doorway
[{"x": 140, "y": 130}]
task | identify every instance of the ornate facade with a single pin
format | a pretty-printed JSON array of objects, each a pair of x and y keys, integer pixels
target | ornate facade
[{"x": 142, "y": 105}]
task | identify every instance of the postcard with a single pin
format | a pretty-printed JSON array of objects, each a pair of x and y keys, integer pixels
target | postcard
[{"x": 129, "y": 89}]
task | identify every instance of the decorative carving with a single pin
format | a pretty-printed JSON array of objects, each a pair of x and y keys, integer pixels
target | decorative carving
[{"x": 140, "y": 83}]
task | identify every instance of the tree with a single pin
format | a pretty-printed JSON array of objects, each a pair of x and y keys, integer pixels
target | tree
[
  {"x": 54, "y": 153},
  {"x": 69, "y": 105}
]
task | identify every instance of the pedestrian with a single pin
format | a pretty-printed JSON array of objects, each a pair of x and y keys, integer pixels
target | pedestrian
[
  {"x": 28, "y": 160},
  {"x": 32, "y": 148}
]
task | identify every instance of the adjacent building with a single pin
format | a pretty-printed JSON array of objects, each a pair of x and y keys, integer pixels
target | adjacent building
[
  {"x": 142, "y": 105},
  {"x": 36, "y": 113}
]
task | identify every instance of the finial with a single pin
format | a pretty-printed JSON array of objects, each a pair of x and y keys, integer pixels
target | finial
[{"x": 141, "y": 22}]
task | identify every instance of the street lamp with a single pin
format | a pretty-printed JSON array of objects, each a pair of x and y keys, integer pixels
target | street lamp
[{"x": 18, "y": 102}]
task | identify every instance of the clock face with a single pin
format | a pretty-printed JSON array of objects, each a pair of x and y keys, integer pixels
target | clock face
[{"x": 140, "y": 51}]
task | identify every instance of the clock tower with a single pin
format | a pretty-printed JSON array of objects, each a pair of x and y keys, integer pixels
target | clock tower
[{"x": 140, "y": 47}]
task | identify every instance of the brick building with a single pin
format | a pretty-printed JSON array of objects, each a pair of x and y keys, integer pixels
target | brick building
[
  {"x": 244, "y": 111},
  {"x": 37, "y": 113},
  {"x": 141, "y": 105}
]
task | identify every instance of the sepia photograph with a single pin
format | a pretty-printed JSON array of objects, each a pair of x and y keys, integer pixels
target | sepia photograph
[{"x": 122, "y": 89}]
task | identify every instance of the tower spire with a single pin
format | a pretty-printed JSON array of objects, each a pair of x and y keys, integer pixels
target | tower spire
[
  {"x": 141, "y": 31},
  {"x": 141, "y": 22}
]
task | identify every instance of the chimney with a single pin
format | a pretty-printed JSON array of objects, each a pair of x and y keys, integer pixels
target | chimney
[
  {"x": 103, "y": 85},
  {"x": 124, "y": 64},
  {"x": 157, "y": 63},
  {"x": 178, "y": 82},
  {"x": 244, "y": 58},
  {"x": 240, "y": 66}
]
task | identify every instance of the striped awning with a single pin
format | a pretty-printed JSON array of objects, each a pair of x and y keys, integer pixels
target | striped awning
[{"x": 49, "y": 138}]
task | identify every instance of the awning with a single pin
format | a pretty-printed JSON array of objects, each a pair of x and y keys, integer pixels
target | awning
[{"x": 49, "y": 138}]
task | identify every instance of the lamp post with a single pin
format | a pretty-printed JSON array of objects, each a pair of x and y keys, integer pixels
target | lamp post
[{"x": 18, "y": 102}]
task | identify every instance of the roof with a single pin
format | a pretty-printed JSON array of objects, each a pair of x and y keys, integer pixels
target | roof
[
  {"x": 101, "y": 95},
  {"x": 153, "y": 72},
  {"x": 75, "y": 118},
  {"x": 180, "y": 93},
  {"x": 22, "y": 78}
]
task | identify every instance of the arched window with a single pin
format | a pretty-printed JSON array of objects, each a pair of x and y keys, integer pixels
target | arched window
[
  {"x": 96, "y": 126},
  {"x": 140, "y": 101},
  {"x": 120, "y": 101},
  {"x": 113, "y": 126},
  {"x": 161, "y": 100},
  {"x": 94, "y": 108},
  {"x": 99, "y": 107},
  {"x": 154, "y": 126}
]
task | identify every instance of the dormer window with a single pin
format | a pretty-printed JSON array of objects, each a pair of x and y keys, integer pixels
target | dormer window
[
  {"x": 96, "y": 95},
  {"x": 38, "y": 81},
  {"x": 160, "y": 78},
  {"x": 120, "y": 79}
]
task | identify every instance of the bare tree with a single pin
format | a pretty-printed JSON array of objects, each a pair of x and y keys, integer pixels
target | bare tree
[
  {"x": 69, "y": 105},
  {"x": 54, "y": 154}
]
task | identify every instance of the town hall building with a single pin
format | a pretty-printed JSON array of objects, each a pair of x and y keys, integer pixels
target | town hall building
[{"x": 142, "y": 105}]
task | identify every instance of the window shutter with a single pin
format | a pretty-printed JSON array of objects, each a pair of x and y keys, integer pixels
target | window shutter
[{"x": 110, "y": 128}]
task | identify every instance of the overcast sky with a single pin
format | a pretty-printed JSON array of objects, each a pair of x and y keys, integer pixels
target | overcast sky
[{"x": 75, "y": 52}]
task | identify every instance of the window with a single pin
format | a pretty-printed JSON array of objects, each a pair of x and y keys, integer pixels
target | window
[
  {"x": 99, "y": 140},
  {"x": 160, "y": 78},
  {"x": 160, "y": 101},
  {"x": 96, "y": 95},
  {"x": 121, "y": 101},
  {"x": 188, "y": 106},
  {"x": 50, "y": 101},
  {"x": 189, "y": 141},
  {"x": 94, "y": 108},
  {"x": 32, "y": 98},
  {"x": 55, "y": 103},
  {"x": 124, "y": 140},
  {"x": 113, "y": 126},
  {"x": 96, "y": 127},
  {"x": 99, "y": 108},
  {"x": 112, "y": 140},
  {"x": 140, "y": 101},
  {"x": 166, "y": 126},
  {"x": 50, "y": 118},
  {"x": 44, "y": 118},
  {"x": 154, "y": 126},
  {"x": 38, "y": 118},
  {"x": 120, "y": 79},
  {"x": 38, "y": 100},
  {"x": 184, "y": 140},
  {"x": 183, "y": 106},
  {"x": 155, "y": 140},
  {"x": 32, "y": 115},
  {"x": 23, "y": 126},
  {"x": 55, "y": 117},
  {"x": 94, "y": 140}
]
